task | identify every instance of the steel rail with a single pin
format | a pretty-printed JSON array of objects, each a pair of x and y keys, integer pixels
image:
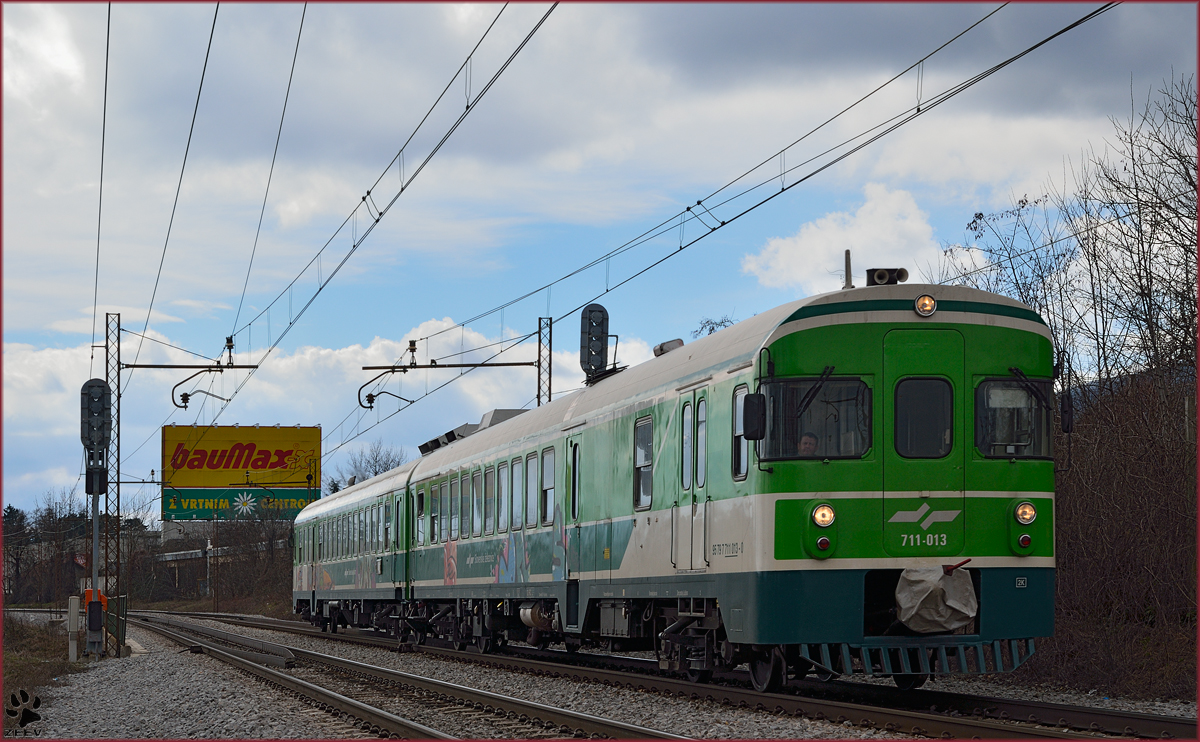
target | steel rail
[
  {"x": 1087, "y": 720},
  {"x": 370, "y": 717},
  {"x": 570, "y": 722}
]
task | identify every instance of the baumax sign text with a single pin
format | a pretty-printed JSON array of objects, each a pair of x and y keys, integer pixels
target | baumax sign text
[{"x": 231, "y": 456}]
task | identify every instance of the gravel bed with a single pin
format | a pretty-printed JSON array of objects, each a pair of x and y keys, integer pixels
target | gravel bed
[
  {"x": 169, "y": 694},
  {"x": 983, "y": 686},
  {"x": 697, "y": 719},
  {"x": 206, "y": 699}
]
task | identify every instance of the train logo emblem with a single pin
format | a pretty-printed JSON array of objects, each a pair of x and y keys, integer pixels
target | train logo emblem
[{"x": 912, "y": 516}]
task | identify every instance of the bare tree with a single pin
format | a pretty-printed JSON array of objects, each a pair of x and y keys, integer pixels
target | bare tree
[
  {"x": 1110, "y": 263},
  {"x": 367, "y": 462},
  {"x": 709, "y": 326}
]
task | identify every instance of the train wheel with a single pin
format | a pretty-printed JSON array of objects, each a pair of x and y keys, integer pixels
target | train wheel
[
  {"x": 766, "y": 670},
  {"x": 483, "y": 644},
  {"x": 699, "y": 676},
  {"x": 911, "y": 681}
]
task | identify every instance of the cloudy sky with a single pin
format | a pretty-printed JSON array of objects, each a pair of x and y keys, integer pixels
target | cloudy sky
[{"x": 610, "y": 121}]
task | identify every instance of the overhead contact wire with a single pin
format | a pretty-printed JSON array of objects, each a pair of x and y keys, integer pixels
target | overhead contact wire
[
  {"x": 178, "y": 186},
  {"x": 100, "y": 204},
  {"x": 667, "y": 225},
  {"x": 271, "y": 172},
  {"x": 371, "y": 226}
]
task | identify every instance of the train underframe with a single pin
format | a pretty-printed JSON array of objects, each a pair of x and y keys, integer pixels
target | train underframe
[{"x": 687, "y": 636}]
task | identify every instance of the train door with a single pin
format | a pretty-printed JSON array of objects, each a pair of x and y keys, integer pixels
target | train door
[
  {"x": 925, "y": 442},
  {"x": 571, "y": 530},
  {"x": 399, "y": 543},
  {"x": 700, "y": 498},
  {"x": 691, "y": 506}
]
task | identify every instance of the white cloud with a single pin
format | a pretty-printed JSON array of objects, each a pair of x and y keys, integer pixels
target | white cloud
[
  {"x": 887, "y": 231},
  {"x": 40, "y": 54}
]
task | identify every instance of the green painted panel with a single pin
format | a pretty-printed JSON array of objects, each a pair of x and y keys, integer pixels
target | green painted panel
[{"x": 857, "y": 533}]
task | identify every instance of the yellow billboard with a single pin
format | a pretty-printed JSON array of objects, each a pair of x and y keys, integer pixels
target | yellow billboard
[{"x": 224, "y": 456}]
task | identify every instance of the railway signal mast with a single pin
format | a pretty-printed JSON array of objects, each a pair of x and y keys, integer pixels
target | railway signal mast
[{"x": 96, "y": 432}]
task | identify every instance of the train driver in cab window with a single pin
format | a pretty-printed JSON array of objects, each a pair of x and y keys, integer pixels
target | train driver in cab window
[{"x": 807, "y": 446}]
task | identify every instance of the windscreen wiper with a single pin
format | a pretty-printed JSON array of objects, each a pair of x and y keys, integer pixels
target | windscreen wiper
[
  {"x": 1029, "y": 386},
  {"x": 811, "y": 394}
]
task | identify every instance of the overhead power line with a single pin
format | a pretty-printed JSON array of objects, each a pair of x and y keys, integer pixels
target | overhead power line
[
  {"x": 378, "y": 213},
  {"x": 178, "y": 187},
  {"x": 405, "y": 183},
  {"x": 670, "y": 222},
  {"x": 689, "y": 214},
  {"x": 100, "y": 204},
  {"x": 271, "y": 172},
  {"x": 397, "y": 159}
]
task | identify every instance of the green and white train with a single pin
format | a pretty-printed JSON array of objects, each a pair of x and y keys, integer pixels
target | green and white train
[{"x": 856, "y": 482}]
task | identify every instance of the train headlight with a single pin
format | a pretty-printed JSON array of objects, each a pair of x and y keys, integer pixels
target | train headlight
[
  {"x": 823, "y": 515},
  {"x": 925, "y": 305},
  {"x": 1026, "y": 513}
]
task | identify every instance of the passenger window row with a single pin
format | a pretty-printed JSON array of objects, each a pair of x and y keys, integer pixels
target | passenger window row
[{"x": 488, "y": 501}]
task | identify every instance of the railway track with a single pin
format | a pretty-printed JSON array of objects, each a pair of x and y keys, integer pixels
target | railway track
[
  {"x": 360, "y": 685},
  {"x": 921, "y": 712}
]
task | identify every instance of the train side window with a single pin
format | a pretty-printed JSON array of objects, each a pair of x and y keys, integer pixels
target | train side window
[
  {"x": 643, "y": 463},
  {"x": 531, "y": 490},
  {"x": 685, "y": 434},
  {"x": 477, "y": 503},
  {"x": 741, "y": 446},
  {"x": 444, "y": 517},
  {"x": 518, "y": 493},
  {"x": 420, "y": 519},
  {"x": 548, "y": 486},
  {"x": 701, "y": 441},
  {"x": 489, "y": 500},
  {"x": 574, "y": 481},
  {"x": 503, "y": 498},
  {"x": 924, "y": 418},
  {"x": 387, "y": 520},
  {"x": 454, "y": 503},
  {"x": 464, "y": 490}
]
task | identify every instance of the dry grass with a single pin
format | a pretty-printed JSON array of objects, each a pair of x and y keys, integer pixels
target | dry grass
[{"x": 35, "y": 656}]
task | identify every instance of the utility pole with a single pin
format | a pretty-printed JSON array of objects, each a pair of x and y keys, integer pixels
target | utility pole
[
  {"x": 545, "y": 354},
  {"x": 112, "y": 492}
]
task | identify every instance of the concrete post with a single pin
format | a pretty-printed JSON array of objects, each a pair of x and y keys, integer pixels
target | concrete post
[{"x": 73, "y": 628}]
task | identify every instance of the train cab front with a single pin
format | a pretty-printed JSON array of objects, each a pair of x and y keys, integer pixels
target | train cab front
[{"x": 907, "y": 469}]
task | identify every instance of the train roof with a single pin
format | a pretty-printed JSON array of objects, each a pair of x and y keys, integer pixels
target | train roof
[{"x": 722, "y": 353}]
